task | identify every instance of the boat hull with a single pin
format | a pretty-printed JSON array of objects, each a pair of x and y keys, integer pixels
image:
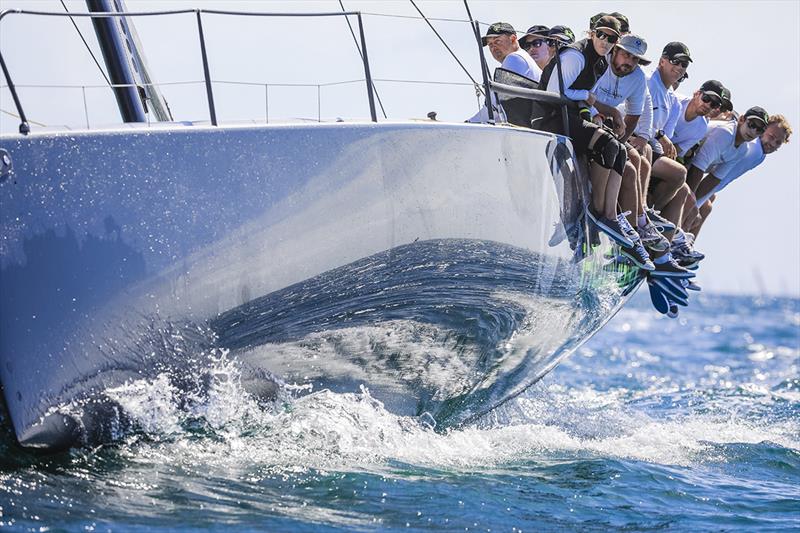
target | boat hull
[{"x": 415, "y": 259}]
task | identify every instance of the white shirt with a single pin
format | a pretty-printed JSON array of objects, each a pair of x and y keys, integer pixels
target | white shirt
[
  {"x": 644, "y": 128},
  {"x": 572, "y": 62},
  {"x": 666, "y": 106},
  {"x": 718, "y": 147},
  {"x": 613, "y": 90},
  {"x": 522, "y": 63},
  {"x": 727, "y": 172},
  {"x": 687, "y": 134}
]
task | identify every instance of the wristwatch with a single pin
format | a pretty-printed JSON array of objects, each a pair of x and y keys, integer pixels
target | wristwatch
[{"x": 659, "y": 134}]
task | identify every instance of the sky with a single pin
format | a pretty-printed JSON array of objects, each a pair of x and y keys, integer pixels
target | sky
[{"x": 752, "y": 239}]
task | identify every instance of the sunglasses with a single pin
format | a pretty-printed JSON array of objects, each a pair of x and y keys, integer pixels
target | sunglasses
[
  {"x": 681, "y": 62},
  {"x": 535, "y": 43},
  {"x": 713, "y": 102},
  {"x": 603, "y": 36},
  {"x": 756, "y": 126}
]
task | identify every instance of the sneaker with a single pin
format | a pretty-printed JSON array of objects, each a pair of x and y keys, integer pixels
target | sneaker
[
  {"x": 685, "y": 255},
  {"x": 627, "y": 229},
  {"x": 691, "y": 285},
  {"x": 652, "y": 238},
  {"x": 673, "y": 290},
  {"x": 638, "y": 255},
  {"x": 612, "y": 229},
  {"x": 661, "y": 223},
  {"x": 671, "y": 269},
  {"x": 658, "y": 298}
]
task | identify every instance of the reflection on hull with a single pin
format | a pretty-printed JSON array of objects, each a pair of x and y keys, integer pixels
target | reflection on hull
[{"x": 417, "y": 260}]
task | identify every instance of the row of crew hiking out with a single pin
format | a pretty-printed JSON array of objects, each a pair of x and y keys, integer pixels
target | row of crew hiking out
[{"x": 657, "y": 158}]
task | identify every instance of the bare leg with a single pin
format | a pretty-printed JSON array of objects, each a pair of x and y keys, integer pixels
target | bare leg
[
  {"x": 612, "y": 195},
  {"x": 600, "y": 177},
  {"x": 705, "y": 211},
  {"x": 628, "y": 197},
  {"x": 644, "y": 177},
  {"x": 673, "y": 211},
  {"x": 672, "y": 175}
]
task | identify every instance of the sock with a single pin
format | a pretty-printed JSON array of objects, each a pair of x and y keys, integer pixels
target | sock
[
  {"x": 663, "y": 259},
  {"x": 641, "y": 220},
  {"x": 680, "y": 237}
]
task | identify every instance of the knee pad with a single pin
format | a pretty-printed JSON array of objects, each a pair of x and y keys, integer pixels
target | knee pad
[{"x": 607, "y": 151}]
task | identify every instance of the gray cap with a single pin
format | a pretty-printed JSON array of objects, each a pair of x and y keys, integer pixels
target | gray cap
[{"x": 634, "y": 45}]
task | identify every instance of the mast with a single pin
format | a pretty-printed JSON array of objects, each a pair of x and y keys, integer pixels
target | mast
[{"x": 129, "y": 102}]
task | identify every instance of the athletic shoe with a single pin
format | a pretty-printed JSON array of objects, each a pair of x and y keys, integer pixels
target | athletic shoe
[
  {"x": 612, "y": 229},
  {"x": 661, "y": 223},
  {"x": 691, "y": 285},
  {"x": 638, "y": 255},
  {"x": 685, "y": 255},
  {"x": 652, "y": 238},
  {"x": 658, "y": 298},
  {"x": 673, "y": 290},
  {"x": 671, "y": 269}
]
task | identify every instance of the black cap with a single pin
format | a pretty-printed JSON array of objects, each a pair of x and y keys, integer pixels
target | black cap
[
  {"x": 535, "y": 31},
  {"x": 498, "y": 28},
  {"x": 594, "y": 19},
  {"x": 676, "y": 50},
  {"x": 758, "y": 113},
  {"x": 727, "y": 105},
  {"x": 607, "y": 22},
  {"x": 715, "y": 88},
  {"x": 624, "y": 24},
  {"x": 562, "y": 33}
]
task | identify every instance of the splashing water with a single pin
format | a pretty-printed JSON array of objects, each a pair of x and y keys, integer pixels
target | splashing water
[{"x": 633, "y": 431}]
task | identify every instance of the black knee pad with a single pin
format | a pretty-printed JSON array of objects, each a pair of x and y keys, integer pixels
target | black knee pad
[{"x": 605, "y": 151}]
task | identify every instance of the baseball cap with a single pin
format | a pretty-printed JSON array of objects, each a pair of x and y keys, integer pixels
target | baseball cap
[
  {"x": 676, "y": 50},
  {"x": 624, "y": 24},
  {"x": 607, "y": 22},
  {"x": 635, "y": 45},
  {"x": 715, "y": 88},
  {"x": 757, "y": 113},
  {"x": 498, "y": 28},
  {"x": 535, "y": 31},
  {"x": 562, "y": 33}
]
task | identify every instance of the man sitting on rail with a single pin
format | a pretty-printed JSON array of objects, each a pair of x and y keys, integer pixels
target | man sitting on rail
[
  {"x": 775, "y": 135},
  {"x": 625, "y": 82},
  {"x": 501, "y": 38}
]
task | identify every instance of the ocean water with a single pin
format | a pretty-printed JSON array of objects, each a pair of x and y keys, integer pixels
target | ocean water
[{"x": 654, "y": 424}]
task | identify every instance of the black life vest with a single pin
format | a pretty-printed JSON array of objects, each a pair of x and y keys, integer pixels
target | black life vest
[{"x": 594, "y": 67}]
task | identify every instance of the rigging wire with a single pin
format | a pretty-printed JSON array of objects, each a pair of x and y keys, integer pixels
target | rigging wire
[
  {"x": 86, "y": 44},
  {"x": 460, "y": 64},
  {"x": 353, "y": 33}
]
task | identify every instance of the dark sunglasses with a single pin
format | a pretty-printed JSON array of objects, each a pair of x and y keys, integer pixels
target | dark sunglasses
[
  {"x": 681, "y": 62},
  {"x": 535, "y": 43},
  {"x": 756, "y": 126},
  {"x": 714, "y": 103},
  {"x": 603, "y": 36},
  {"x": 551, "y": 42}
]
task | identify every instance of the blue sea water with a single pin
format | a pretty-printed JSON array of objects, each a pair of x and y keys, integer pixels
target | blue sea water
[{"x": 654, "y": 424}]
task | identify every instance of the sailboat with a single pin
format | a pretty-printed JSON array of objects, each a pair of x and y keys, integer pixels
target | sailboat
[{"x": 445, "y": 267}]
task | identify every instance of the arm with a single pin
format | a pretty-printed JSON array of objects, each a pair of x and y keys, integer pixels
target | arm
[
  {"x": 706, "y": 186},
  {"x": 615, "y": 115},
  {"x": 630, "y": 124},
  {"x": 571, "y": 65}
]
